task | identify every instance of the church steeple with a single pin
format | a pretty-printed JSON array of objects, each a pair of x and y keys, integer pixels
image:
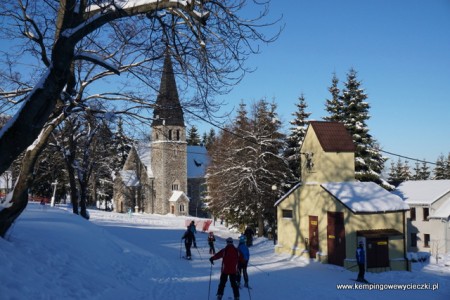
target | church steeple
[{"x": 168, "y": 109}]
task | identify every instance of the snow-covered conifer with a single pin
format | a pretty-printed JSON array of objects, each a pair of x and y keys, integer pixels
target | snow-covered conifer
[{"x": 296, "y": 136}]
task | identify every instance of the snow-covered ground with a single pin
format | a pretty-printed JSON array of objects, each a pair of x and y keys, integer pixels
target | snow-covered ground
[{"x": 53, "y": 254}]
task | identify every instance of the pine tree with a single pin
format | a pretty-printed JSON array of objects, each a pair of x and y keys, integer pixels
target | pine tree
[
  {"x": 439, "y": 169},
  {"x": 425, "y": 171},
  {"x": 123, "y": 145},
  {"x": 296, "y": 137},
  {"x": 405, "y": 172},
  {"x": 447, "y": 167},
  {"x": 208, "y": 139},
  {"x": 395, "y": 173},
  {"x": 193, "y": 137},
  {"x": 421, "y": 172},
  {"x": 369, "y": 162},
  {"x": 334, "y": 106}
]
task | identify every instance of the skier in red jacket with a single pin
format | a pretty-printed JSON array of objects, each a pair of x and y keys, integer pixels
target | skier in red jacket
[{"x": 231, "y": 257}]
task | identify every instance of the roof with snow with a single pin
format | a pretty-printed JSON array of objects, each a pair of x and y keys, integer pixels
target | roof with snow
[
  {"x": 422, "y": 192},
  {"x": 129, "y": 178},
  {"x": 177, "y": 195},
  {"x": 365, "y": 197},
  {"x": 197, "y": 161},
  {"x": 333, "y": 136},
  {"x": 287, "y": 194},
  {"x": 144, "y": 151}
]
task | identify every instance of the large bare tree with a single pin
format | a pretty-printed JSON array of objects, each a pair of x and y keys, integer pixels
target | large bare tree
[
  {"x": 209, "y": 38},
  {"x": 50, "y": 62}
]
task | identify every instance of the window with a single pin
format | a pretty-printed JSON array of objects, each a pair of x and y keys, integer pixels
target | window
[
  {"x": 287, "y": 213},
  {"x": 181, "y": 208},
  {"x": 178, "y": 135},
  {"x": 413, "y": 239},
  {"x": 426, "y": 213},
  {"x": 426, "y": 240},
  {"x": 412, "y": 213},
  {"x": 170, "y": 134},
  {"x": 176, "y": 185}
]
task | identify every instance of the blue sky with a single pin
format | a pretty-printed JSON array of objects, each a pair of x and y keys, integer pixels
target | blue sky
[{"x": 400, "y": 49}]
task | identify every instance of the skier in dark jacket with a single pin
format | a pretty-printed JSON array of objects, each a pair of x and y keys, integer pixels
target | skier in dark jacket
[
  {"x": 231, "y": 257},
  {"x": 211, "y": 240},
  {"x": 188, "y": 238},
  {"x": 361, "y": 260},
  {"x": 249, "y": 235},
  {"x": 243, "y": 266},
  {"x": 194, "y": 231}
]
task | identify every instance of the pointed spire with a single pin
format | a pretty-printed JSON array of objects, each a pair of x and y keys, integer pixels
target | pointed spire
[{"x": 167, "y": 107}]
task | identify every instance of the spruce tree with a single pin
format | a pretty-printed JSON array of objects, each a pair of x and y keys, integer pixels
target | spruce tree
[
  {"x": 296, "y": 137},
  {"x": 193, "y": 137},
  {"x": 439, "y": 169},
  {"x": 395, "y": 173},
  {"x": 334, "y": 106},
  {"x": 421, "y": 172},
  {"x": 447, "y": 167},
  {"x": 369, "y": 162}
]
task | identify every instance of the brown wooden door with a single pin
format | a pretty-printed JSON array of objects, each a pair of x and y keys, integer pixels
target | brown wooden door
[
  {"x": 313, "y": 236},
  {"x": 336, "y": 238},
  {"x": 377, "y": 253}
]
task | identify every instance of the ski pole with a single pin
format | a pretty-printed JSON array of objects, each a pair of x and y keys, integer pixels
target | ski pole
[
  {"x": 199, "y": 254},
  {"x": 252, "y": 265},
  {"x": 249, "y": 295},
  {"x": 209, "y": 287}
]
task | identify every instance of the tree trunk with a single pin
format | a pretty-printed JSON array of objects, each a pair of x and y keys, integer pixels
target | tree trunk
[
  {"x": 260, "y": 225},
  {"x": 20, "y": 193}
]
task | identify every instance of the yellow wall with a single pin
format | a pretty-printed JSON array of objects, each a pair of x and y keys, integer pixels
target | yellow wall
[
  {"x": 328, "y": 166},
  {"x": 313, "y": 200}
]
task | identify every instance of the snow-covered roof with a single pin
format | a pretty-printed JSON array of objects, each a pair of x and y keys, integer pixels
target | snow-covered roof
[
  {"x": 144, "y": 151},
  {"x": 287, "y": 194},
  {"x": 443, "y": 212},
  {"x": 365, "y": 197},
  {"x": 177, "y": 195},
  {"x": 129, "y": 178},
  {"x": 197, "y": 161},
  {"x": 422, "y": 192}
]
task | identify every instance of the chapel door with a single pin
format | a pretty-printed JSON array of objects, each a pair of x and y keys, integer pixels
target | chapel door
[
  {"x": 313, "y": 236},
  {"x": 377, "y": 253},
  {"x": 336, "y": 238}
]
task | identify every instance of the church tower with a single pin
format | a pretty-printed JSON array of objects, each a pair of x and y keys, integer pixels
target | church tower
[{"x": 168, "y": 145}]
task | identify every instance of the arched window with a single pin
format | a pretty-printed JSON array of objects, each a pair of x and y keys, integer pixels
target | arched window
[
  {"x": 176, "y": 185},
  {"x": 181, "y": 207},
  {"x": 178, "y": 135},
  {"x": 170, "y": 134}
]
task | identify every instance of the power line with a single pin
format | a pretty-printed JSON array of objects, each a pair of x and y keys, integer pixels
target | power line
[
  {"x": 407, "y": 157},
  {"x": 241, "y": 137}
]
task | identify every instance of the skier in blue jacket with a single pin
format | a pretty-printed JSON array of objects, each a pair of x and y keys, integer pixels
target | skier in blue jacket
[
  {"x": 242, "y": 268},
  {"x": 361, "y": 260}
]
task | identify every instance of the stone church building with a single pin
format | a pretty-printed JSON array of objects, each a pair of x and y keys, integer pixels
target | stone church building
[{"x": 154, "y": 178}]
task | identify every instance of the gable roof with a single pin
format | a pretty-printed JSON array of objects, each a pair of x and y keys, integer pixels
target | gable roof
[
  {"x": 422, "y": 191},
  {"x": 365, "y": 197},
  {"x": 333, "y": 136},
  {"x": 287, "y": 194},
  {"x": 178, "y": 195},
  {"x": 144, "y": 152},
  {"x": 129, "y": 178}
]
